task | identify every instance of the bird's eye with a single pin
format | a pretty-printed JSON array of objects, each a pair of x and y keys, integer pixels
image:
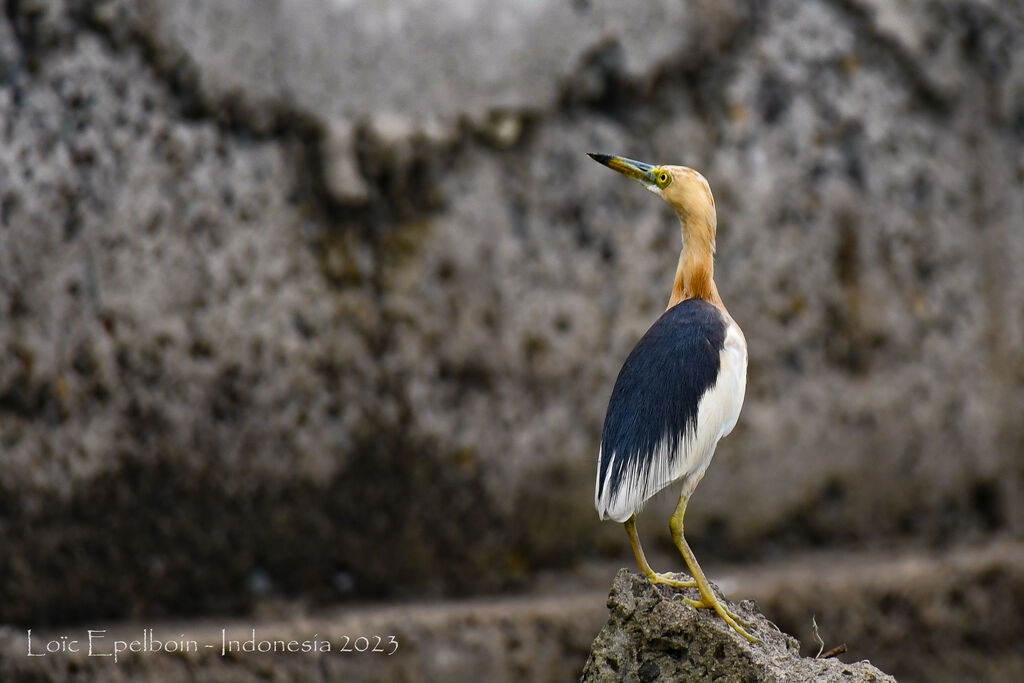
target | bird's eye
[{"x": 663, "y": 179}]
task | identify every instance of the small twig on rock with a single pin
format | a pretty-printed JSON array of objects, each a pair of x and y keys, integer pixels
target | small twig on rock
[{"x": 838, "y": 650}]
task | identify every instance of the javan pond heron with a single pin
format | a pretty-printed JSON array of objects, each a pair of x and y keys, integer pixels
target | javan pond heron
[{"x": 681, "y": 388}]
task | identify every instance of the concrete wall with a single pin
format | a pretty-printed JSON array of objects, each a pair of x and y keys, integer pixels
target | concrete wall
[{"x": 317, "y": 297}]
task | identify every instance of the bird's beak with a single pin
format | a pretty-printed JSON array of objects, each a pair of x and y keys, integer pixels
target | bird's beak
[{"x": 637, "y": 170}]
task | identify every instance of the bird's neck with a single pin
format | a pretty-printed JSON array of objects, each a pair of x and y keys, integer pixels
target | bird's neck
[{"x": 695, "y": 276}]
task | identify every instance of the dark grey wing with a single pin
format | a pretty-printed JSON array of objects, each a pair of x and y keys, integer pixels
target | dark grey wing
[{"x": 655, "y": 401}]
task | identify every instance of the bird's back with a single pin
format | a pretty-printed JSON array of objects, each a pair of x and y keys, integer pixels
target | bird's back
[{"x": 678, "y": 393}]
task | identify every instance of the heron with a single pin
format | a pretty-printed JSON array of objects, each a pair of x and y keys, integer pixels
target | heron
[{"x": 681, "y": 388}]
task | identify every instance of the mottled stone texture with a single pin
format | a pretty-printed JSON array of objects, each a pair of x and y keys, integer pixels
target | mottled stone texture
[
  {"x": 325, "y": 299},
  {"x": 651, "y": 635}
]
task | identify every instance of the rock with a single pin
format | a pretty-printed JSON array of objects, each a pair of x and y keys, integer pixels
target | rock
[{"x": 653, "y": 636}]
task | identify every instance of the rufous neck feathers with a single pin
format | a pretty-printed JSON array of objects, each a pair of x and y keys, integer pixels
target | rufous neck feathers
[{"x": 695, "y": 274}]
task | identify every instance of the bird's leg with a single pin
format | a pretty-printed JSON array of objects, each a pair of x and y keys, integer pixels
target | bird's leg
[
  {"x": 707, "y": 595},
  {"x": 641, "y": 560}
]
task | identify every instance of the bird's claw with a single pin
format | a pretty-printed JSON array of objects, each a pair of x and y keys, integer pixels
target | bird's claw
[
  {"x": 739, "y": 625},
  {"x": 742, "y": 622}
]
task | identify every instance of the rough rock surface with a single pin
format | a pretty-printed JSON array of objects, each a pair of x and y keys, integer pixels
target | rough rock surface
[
  {"x": 260, "y": 315},
  {"x": 653, "y": 636}
]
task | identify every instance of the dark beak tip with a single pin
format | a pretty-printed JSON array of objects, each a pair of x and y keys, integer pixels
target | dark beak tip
[{"x": 600, "y": 158}]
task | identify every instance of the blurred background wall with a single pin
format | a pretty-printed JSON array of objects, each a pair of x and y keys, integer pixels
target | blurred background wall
[{"x": 323, "y": 299}]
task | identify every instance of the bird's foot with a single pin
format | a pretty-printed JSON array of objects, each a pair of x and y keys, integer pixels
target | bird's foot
[
  {"x": 700, "y": 604},
  {"x": 710, "y": 601},
  {"x": 669, "y": 579}
]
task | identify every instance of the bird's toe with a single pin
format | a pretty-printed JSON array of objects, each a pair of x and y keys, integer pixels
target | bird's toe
[{"x": 669, "y": 579}]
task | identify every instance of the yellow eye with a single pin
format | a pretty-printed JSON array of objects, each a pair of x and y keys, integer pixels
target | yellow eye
[{"x": 663, "y": 179}]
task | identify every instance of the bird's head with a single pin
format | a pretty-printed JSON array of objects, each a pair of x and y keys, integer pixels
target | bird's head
[{"x": 683, "y": 188}]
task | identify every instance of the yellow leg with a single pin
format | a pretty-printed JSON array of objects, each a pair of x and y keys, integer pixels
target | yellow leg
[
  {"x": 707, "y": 596},
  {"x": 641, "y": 560}
]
